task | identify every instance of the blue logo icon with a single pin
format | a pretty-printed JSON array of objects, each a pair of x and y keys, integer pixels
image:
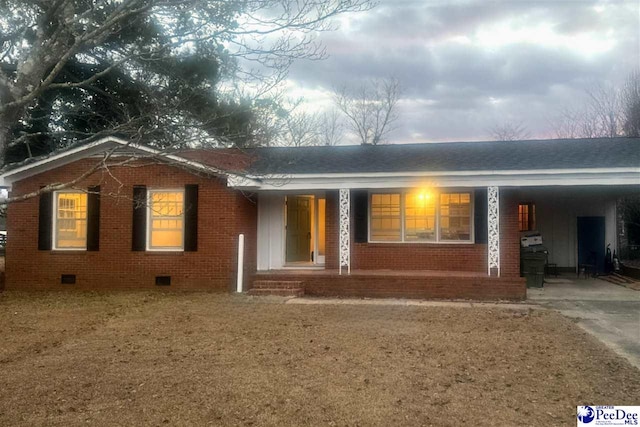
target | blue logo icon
[{"x": 586, "y": 414}]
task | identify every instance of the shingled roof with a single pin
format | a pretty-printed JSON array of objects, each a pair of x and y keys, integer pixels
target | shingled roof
[{"x": 452, "y": 156}]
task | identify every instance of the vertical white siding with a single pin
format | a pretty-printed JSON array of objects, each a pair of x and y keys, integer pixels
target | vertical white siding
[
  {"x": 557, "y": 210},
  {"x": 270, "y": 231}
]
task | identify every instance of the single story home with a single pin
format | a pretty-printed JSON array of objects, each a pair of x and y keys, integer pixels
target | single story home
[{"x": 436, "y": 220}]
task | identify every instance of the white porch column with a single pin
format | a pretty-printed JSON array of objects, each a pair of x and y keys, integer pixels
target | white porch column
[
  {"x": 345, "y": 235},
  {"x": 493, "y": 231}
]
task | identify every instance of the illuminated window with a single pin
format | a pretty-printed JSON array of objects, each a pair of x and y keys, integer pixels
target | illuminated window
[
  {"x": 70, "y": 214},
  {"x": 527, "y": 216},
  {"x": 419, "y": 217},
  {"x": 385, "y": 217},
  {"x": 166, "y": 220},
  {"x": 455, "y": 216}
]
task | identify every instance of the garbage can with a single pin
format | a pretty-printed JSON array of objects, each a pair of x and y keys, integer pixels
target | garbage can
[{"x": 533, "y": 268}]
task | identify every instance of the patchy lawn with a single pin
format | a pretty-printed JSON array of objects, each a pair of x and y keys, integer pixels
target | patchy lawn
[{"x": 177, "y": 359}]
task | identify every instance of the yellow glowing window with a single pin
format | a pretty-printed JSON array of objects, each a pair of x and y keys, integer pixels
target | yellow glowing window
[
  {"x": 70, "y": 220},
  {"x": 419, "y": 216},
  {"x": 385, "y": 217},
  {"x": 166, "y": 219}
]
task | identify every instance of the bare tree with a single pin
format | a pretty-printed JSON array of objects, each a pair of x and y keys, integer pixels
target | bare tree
[
  {"x": 371, "y": 109},
  {"x": 331, "y": 127},
  {"x": 607, "y": 113},
  {"x": 41, "y": 41},
  {"x": 630, "y": 100},
  {"x": 509, "y": 131},
  {"x": 301, "y": 128}
]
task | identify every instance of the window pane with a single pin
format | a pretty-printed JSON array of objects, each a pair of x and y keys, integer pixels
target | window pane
[
  {"x": 385, "y": 217},
  {"x": 166, "y": 238},
  {"x": 527, "y": 216},
  {"x": 455, "y": 216},
  {"x": 166, "y": 228},
  {"x": 420, "y": 217},
  {"x": 71, "y": 220}
]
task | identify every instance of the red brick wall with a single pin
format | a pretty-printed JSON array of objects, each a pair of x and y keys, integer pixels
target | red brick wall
[
  {"x": 394, "y": 285},
  {"x": 222, "y": 214},
  {"x": 424, "y": 256},
  {"x": 509, "y": 234}
]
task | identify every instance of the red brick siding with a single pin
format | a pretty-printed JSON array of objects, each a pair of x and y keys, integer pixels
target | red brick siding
[
  {"x": 416, "y": 256},
  {"x": 406, "y": 286},
  {"x": 222, "y": 214},
  {"x": 509, "y": 234}
]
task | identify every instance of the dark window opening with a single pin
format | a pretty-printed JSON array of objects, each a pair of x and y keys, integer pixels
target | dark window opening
[
  {"x": 163, "y": 280},
  {"x": 68, "y": 279}
]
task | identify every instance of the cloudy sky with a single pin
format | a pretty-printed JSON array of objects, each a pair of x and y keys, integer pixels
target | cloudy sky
[{"x": 465, "y": 66}]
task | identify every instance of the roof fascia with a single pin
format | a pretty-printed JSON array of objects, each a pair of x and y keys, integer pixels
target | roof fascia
[
  {"x": 94, "y": 148},
  {"x": 453, "y": 173},
  {"x": 60, "y": 159},
  {"x": 329, "y": 182}
]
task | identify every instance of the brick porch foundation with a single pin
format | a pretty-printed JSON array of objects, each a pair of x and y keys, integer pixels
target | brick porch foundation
[{"x": 403, "y": 284}]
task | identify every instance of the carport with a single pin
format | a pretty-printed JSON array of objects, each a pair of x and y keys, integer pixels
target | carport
[{"x": 576, "y": 223}]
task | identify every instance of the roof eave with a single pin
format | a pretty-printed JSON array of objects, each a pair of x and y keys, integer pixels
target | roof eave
[
  {"x": 98, "y": 147},
  {"x": 513, "y": 178}
]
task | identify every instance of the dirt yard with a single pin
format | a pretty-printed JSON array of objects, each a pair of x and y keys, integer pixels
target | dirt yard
[{"x": 206, "y": 359}]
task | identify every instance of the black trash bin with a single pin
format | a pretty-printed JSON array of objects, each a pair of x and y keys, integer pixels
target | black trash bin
[{"x": 532, "y": 264}]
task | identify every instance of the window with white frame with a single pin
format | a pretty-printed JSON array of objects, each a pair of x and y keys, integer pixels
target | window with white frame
[
  {"x": 70, "y": 220},
  {"x": 421, "y": 216},
  {"x": 385, "y": 217},
  {"x": 455, "y": 216},
  {"x": 165, "y": 220}
]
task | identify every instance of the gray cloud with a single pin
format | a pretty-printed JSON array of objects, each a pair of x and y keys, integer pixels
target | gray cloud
[{"x": 456, "y": 88}]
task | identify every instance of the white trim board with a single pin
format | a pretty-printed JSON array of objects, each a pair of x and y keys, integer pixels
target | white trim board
[{"x": 623, "y": 176}]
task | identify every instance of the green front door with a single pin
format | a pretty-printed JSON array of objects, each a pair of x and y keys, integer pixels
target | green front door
[{"x": 298, "y": 229}]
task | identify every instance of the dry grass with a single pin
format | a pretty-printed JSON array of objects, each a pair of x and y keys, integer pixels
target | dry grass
[{"x": 198, "y": 359}]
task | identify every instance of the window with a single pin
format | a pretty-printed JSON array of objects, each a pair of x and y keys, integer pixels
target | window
[
  {"x": 455, "y": 216},
  {"x": 527, "y": 216},
  {"x": 166, "y": 220},
  {"x": 385, "y": 217},
  {"x": 420, "y": 216},
  {"x": 70, "y": 220}
]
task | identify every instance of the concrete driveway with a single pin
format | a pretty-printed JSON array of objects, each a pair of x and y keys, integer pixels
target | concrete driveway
[{"x": 609, "y": 312}]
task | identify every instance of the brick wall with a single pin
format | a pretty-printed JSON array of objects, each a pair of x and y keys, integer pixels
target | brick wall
[
  {"x": 222, "y": 214},
  {"x": 424, "y": 256},
  {"x": 408, "y": 285},
  {"x": 509, "y": 234}
]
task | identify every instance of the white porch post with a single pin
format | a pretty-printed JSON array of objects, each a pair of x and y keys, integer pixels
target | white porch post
[
  {"x": 493, "y": 231},
  {"x": 345, "y": 235}
]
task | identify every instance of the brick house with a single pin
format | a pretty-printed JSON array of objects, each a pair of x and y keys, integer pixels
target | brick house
[{"x": 421, "y": 220}]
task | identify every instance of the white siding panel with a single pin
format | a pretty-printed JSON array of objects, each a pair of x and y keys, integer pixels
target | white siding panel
[
  {"x": 557, "y": 211},
  {"x": 270, "y": 231}
]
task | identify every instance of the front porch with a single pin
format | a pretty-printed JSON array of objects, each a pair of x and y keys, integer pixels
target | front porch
[{"x": 431, "y": 284}]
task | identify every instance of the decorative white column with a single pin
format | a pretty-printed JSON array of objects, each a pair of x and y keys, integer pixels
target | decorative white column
[
  {"x": 345, "y": 235},
  {"x": 493, "y": 229}
]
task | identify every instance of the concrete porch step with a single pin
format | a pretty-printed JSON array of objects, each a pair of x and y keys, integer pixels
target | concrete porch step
[
  {"x": 277, "y": 284},
  {"x": 280, "y": 292}
]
